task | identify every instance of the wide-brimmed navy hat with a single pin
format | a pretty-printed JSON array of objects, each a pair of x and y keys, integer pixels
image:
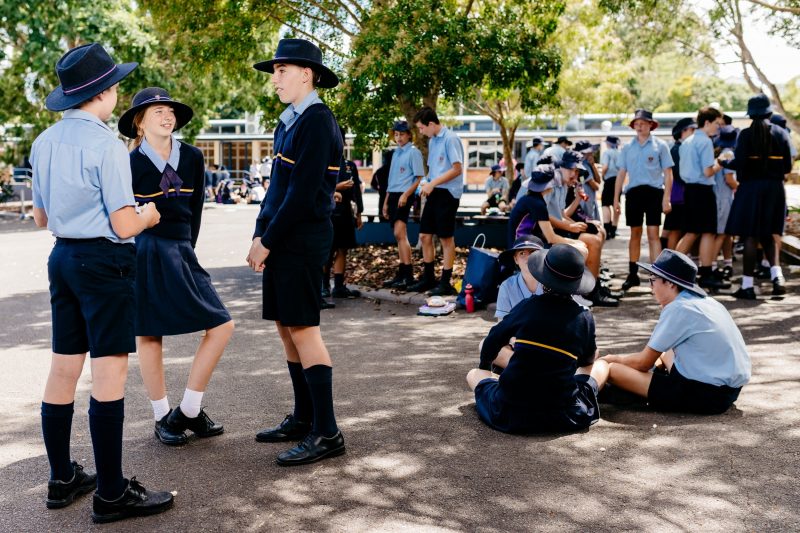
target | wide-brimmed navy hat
[
  {"x": 570, "y": 159},
  {"x": 759, "y": 106},
  {"x": 495, "y": 168},
  {"x": 562, "y": 270},
  {"x": 303, "y": 53},
  {"x": 676, "y": 268},
  {"x": 727, "y": 137},
  {"x": 523, "y": 242},
  {"x": 613, "y": 140},
  {"x": 644, "y": 114},
  {"x": 542, "y": 178},
  {"x": 85, "y": 72},
  {"x": 681, "y": 126},
  {"x": 148, "y": 97},
  {"x": 401, "y": 125}
]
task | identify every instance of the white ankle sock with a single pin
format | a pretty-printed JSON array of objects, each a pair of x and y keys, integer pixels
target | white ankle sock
[
  {"x": 765, "y": 263},
  {"x": 747, "y": 282},
  {"x": 775, "y": 272},
  {"x": 160, "y": 408},
  {"x": 191, "y": 403}
]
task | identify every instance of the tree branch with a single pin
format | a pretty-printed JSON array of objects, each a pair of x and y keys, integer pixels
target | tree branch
[
  {"x": 346, "y": 7},
  {"x": 314, "y": 38},
  {"x": 773, "y": 7},
  {"x": 332, "y": 20},
  {"x": 468, "y": 8}
]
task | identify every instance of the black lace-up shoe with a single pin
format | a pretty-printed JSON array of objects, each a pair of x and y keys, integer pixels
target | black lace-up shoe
[
  {"x": 443, "y": 289},
  {"x": 311, "y": 449},
  {"x": 135, "y": 501},
  {"x": 201, "y": 425},
  {"x": 631, "y": 281},
  {"x": 778, "y": 286},
  {"x": 344, "y": 292},
  {"x": 290, "y": 430},
  {"x": 422, "y": 285},
  {"x": 62, "y": 493},
  {"x": 745, "y": 294},
  {"x": 167, "y": 435}
]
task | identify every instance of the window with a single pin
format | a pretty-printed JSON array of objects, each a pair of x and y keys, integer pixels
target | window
[{"x": 484, "y": 153}]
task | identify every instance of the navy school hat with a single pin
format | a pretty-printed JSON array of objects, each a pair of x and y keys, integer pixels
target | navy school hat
[
  {"x": 570, "y": 159},
  {"x": 401, "y": 125},
  {"x": 759, "y": 106},
  {"x": 523, "y": 242},
  {"x": 542, "y": 177},
  {"x": 676, "y": 268},
  {"x": 495, "y": 168},
  {"x": 562, "y": 270},
  {"x": 85, "y": 72},
  {"x": 563, "y": 139},
  {"x": 682, "y": 125},
  {"x": 153, "y": 96},
  {"x": 644, "y": 114},
  {"x": 727, "y": 137},
  {"x": 302, "y": 53},
  {"x": 612, "y": 140}
]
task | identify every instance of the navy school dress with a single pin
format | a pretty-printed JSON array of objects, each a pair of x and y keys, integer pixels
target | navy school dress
[{"x": 174, "y": 294}]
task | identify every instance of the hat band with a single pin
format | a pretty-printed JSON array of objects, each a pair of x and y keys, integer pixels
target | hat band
[
  {"x": 88, "y": 83},
  {"x": 666, "y": 274},
  {"x": 158, "y": 98},
  {"x": 558, "y": 273}
]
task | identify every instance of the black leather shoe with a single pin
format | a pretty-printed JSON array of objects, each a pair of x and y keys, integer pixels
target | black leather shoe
[
  {"x": 390, "y": 284},
  {"x": 325, "y": 304},
  {"x": 778, "y": 286},
  {"x": 311, "y": 449},
  {"x": 167, "y": 434},
  {"x": 631, "y": 281},
  {"x": 326, "y": 292},
  {"x": 745, "y": 294},
  {"x": 422, "y": 285},
  {"x": 344, "y": 292},
  {"x": 607, "y": 291},
  {"x": 201, "y": 425},
  {"x": 135, "y": 501},
  {"x": 443, "y": 289},
  {"x": 290, "y": 430},
  {"x": 62, "y": 493},
  {"x": 600, "y": 299},
  {"x": 710, "y": 282}
]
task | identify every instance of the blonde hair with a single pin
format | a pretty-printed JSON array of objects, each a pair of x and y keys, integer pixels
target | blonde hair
[{"x": 137, "y": 123}]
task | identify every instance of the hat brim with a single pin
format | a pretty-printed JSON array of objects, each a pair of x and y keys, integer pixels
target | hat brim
[
  {"x": 506, "y": 257},
  {"x": 695, "y": 288},
  {"x": 58, "y": 101},
  {"x": 328, "y": 79},
  {"x": 183, "y": 114},
  {"x": 584, "y": 285},
  {"x": 541, "y": 187},
  {"x": 653, "y": 123}
]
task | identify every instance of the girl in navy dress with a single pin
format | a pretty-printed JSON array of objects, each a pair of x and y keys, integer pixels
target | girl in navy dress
[{"x": 174, "y": 295}]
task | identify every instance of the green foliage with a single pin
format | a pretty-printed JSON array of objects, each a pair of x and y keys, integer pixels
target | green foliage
[{"x": 690, "y": 93}]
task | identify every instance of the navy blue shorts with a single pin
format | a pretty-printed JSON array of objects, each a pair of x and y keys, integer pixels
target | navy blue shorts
[
  {"x": 607, "y": 196},
  {"x": 439, "y": 214},
  {"x": 700, "y": 209},
  {"x": 92, "y": 297},
  {"x": 643, "y": 204},
  {"x": 673, "y": 392},
  {"x": 397, "y": 213}
]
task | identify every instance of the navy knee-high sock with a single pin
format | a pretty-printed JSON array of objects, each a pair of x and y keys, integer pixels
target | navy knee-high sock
[
  {"x": 303, "y": 406},
  {"x": 320, "y": 384},
  {"x": 105, "y": 425},
  {"x": 56, "y": 430}
]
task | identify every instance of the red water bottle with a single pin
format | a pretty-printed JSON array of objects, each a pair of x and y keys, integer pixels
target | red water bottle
[{"x": 469, "y": 299}]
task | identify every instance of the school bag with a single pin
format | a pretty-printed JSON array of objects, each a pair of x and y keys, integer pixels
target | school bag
[{"x": 483, "y": 273}]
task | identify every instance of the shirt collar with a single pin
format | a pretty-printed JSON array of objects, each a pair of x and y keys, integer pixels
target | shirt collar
[
  {"x": 649, "y": 139},
  {"x": 174, "y": 155},
  {"x": 441, "y": 132},
  {"x": 700, "y": 133},
  {"x": 404, "y": 147},
  {"x": 291, "y": 113},
  {"x": 79, "y": 114}
]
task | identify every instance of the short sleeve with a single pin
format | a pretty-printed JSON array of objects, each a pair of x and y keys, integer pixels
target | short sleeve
[
  {"x": 666, "y": 157},
  {"x": 115, "y": 178},
  {"x": 416, "y": 162},
  {"x": 453, "y": 150},
  {"x": 605, "y": 158},
  {"x": 622, "y": 160},
  {"x": 504, "y": 299},
  {"x": 671, "y": 328}
]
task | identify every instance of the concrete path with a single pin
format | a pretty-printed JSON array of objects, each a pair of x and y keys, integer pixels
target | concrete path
[{"x": 418, "y": 457}]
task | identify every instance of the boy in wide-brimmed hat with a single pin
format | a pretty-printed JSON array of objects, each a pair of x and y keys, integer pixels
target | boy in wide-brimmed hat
[
  {"x": 82, "y": 193},
  {"x": 647, "y": 164},
  {"x": 550, "y": 383},
  {"x": 703, "y": 359}
]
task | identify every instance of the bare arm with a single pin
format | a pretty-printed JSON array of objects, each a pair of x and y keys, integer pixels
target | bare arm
[
  {"x": 40, "y": 217},
  {"x": 127, "y": 223},
  {"x": 454, "y": 172},
  {"x": 618, "y": 187},
  {"x": 642, "y": 361}
]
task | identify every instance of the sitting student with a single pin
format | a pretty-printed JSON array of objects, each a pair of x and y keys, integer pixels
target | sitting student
[
  {"x": 520, "y": 285},
  {"x": 496, "y": 190},
  {"x": 550, "y": 383},
  {"x": 697, "y": 341}
]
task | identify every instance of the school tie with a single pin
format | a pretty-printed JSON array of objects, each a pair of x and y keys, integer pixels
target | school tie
[{"x": 170, "y": 180}]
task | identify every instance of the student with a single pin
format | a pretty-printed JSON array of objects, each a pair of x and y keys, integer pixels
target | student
[
  {"x": 556, "y": 151},
  {"x": 702, "y": 354},
  {"x": 535, "y": 148},
  {"x": 516, "y": 185},
  {"x": 443, "y": 192},
  {"x": 698, "y": 167},
  {"x": 405, "y": 174},
  {"x": 762, "y": 159},
  {"x": 292, "y": 241},
  {"x": 647, "y": 164},
  {"x": 674, "y": 221},
  {"x": 496, "y": 187},
  {"x": 550, "y": 383},
  {"x": 609, "y": 170},
  {"x": 174, "y": 294},
  {"x": 589, "y": 183},
  {"x": 345, "y": 223},
  {"x": 725, "y": 184},
  {"x": 82, "y": 194},
  {"x": 521, "y": 285}
]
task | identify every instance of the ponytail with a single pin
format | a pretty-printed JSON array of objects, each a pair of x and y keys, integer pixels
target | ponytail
[
  {"x": 761, "y": 140},
  {"x": 137, "y": 123}
]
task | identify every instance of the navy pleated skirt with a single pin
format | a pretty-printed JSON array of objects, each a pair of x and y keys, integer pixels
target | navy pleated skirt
[
  {"x": 758, "y": 210},
  {"x": 174, "y": 294}
]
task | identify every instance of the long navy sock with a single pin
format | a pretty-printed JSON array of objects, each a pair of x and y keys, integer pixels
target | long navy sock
[
  {"x": 428, "y": 273},
  {"x": 338, "y": 280},
  {"x": 320, "y": 384},
  {"x": 105, "y": 425},
  {"x": 303, "y": 406},
  {"x": 56, "y": 430}
]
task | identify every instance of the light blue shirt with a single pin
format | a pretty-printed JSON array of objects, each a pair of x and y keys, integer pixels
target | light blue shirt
[
  {"x": 152, "y": 155},
  {"x": 557, "y": 199},
  {"x": 290, "y": 114},
  {"x": 444, "y": 150},
  {"x": 513, "y": 291},
  {"x": 697, "y": 153},
  {"x": 722, "y": 190},
  {"x": 707, "y": 344},
  {"x": 531, "y": 160},
  {"x": 500, "y": 183},
  {"x": 609, "y": 157},
  {"x": 556, "y": 152},
  {"x": 645, "y": 163},
  {"x": 405, "y": 168},
  {"x": 81, "y": 174},
  {"x": 589, "y": 206}
]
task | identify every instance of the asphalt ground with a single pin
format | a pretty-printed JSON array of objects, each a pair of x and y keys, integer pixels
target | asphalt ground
[{"x": 418, "y": 457}]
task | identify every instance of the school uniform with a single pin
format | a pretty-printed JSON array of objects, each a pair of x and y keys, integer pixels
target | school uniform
[
  {"x": 711, "y": 362},
  {"x": 759, "y": 205},
  {"x": 538, "y": 391},
  {"x": 675, "y": 219},
  {"x": 500, "y": 184},
  {"x": 645, "y": 164},
  {"x": 342, "y": 218},
  {"x": 174, "y": 294},
  {"x": 697, "y": 154},
  {"x": 404, "y": 170},
  {"x": 294, "y": 220},
  {"x": 724, "y": 196},
  {"x": 439, "y": 214},
  {"x": 609, "y": 158},
  {"x": 589, "y": 206},
  {"x": 513, "y": 291},
  {"x": 531, "y": 160},
  {"x": 526, "y": 217}
]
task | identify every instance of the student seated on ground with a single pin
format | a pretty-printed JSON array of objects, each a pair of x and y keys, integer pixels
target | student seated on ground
[
  {"x": 520, "y": 285},
  {"x": 702, "y": 350},
  {"x": 496, "y": 186},
  {"x": 549, "y": 383}
]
